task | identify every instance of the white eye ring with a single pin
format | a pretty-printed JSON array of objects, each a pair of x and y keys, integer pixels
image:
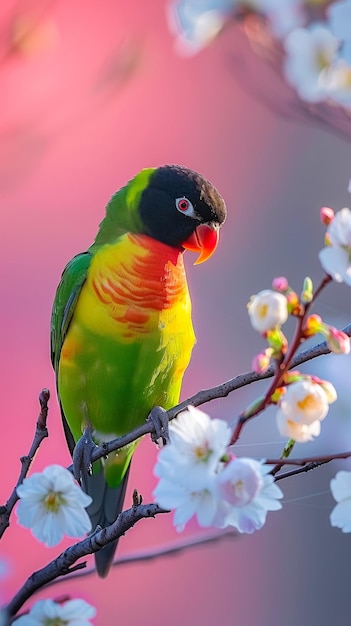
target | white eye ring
[{"x": 184, "y": 206}]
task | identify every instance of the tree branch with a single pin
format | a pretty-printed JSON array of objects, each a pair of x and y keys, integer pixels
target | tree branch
[
  {"x": 157, "y": 552},
  {"x": 65, "y": 562},
  {"x": 41, "y": 433},
  {"x": 213, "y": 393},
  {"x": 283, "y": 366}
]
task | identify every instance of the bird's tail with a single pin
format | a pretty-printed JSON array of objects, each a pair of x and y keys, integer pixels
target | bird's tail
[{"x": 103, "y": 511}]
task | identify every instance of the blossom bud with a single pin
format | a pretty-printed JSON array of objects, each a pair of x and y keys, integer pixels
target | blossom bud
[
  {"x": 294, "y": 307},
  {"x": 277, "y": 341},
  {"x": 292, "y": 376},
  {"x": 313, "y": 325},
  {"x": 338, "y": 342},
  {"x": 326, "y": 215},
  {"x": 280, "y": 283},
  {"x": 307, "y": 291},
  {"x": 277, "y": 395},
  {"x": 260, "y": 362}
]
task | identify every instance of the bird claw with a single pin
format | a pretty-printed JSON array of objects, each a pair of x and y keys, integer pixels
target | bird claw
[
  {"x": 82, "y": 454},
  {"x": 159, "y": 419}
]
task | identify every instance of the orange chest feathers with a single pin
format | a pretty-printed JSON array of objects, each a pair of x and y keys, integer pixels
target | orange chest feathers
[{"x": 136, "y": 287}]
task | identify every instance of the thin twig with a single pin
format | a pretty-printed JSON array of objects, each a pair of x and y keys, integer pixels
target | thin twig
[
  {"x": 301, "y": 470},
  {"x": 305, "y": 464},
  {"x": 41, "y": 433},
  {"x": 155, "y": 553}
]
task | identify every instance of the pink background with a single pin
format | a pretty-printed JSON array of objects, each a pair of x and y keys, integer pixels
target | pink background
[{"x": 103, "y": 95}]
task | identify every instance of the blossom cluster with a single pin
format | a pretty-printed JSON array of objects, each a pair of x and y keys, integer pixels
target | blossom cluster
[
  {"x": 317, "y": 50},
  {"x": 199, "y": 477}
]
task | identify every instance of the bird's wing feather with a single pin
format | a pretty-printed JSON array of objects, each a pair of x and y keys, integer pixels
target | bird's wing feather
[
  {"x": 72, "y": 281},
  {"x": 67, "y": 294}
]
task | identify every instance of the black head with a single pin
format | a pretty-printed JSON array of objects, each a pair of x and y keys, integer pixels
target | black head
[{"x": 175, "y": 202}]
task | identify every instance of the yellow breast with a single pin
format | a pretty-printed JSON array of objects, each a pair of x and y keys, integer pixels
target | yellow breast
[{"x": 134, "y": 287}]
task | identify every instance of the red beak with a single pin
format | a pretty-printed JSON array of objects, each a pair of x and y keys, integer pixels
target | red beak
[{"x": 203, "y": 240}]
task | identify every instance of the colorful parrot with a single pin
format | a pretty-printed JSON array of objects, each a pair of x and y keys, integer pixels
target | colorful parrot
[{"x": 121, "y": 330}]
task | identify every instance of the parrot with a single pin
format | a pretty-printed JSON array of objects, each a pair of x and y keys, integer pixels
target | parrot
[{"x": 121, "y": 325}]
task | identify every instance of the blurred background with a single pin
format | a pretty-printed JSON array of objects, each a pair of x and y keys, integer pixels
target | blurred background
[{"x": 91, "y": 92}]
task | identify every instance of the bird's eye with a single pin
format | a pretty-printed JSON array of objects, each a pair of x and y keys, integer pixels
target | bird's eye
[{"x": 185, "y": 206}]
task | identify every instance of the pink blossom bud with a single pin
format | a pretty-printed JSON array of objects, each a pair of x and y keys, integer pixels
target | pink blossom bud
[
  {"x": 280, "y": 283},
  {"x": 260, "y": 362},
  {"x": 326, "y": 215},
  {"x": 338, "y": 341}
]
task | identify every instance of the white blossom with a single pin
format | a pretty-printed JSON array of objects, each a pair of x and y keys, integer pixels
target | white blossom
[
  {"x": 187, "y": 467},
  {"x": 336, "y": 257},
  {"x": 339, "y": 18},
  {"x": 308, "y": 52},
  {"x": 53, "y": 505},
  {"x": 267, "y": 310},
  {"x": 341, "y": 489},
  {"x": 297, "y": 431},
  {"x": 197, "y": 445},
  {"x": 197, "y": 22},
  {"x": 283, "y": 15},
  {"x": 301, "y": 409},
  {"x": 336, "y": 81},
  {"x": 50, "y": 613},
  {"x": 247, "y": 492},
  {"x": 187, "y": 501}
]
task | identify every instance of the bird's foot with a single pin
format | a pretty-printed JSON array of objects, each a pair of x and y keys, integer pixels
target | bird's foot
[
  {"x": 159, "y": 419},
  {"x": 82, "y": 454}
]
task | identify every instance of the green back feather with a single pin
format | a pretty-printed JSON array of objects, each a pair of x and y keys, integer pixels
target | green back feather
[{"x": 122, "y": 211}]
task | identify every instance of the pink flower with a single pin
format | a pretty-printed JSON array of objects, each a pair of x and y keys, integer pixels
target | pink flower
[{"x": 248, "y": 492}]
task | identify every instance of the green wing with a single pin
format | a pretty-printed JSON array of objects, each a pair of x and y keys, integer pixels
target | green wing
[{"x": 67, "y": 294}]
